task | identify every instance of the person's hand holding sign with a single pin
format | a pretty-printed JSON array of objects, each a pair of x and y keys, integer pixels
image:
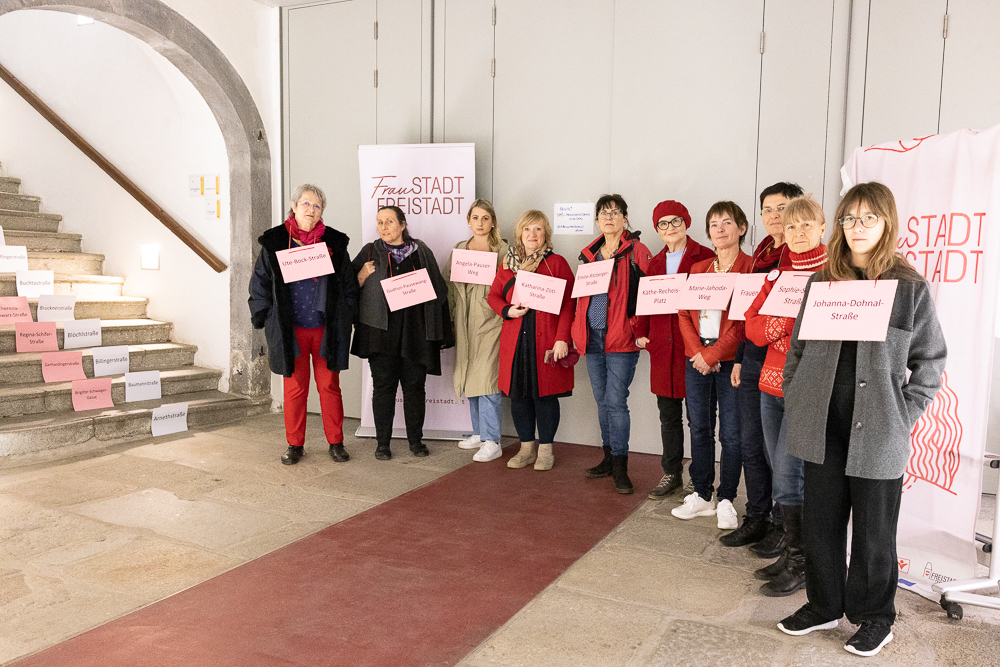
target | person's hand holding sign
[{"x": 517, "y": 310}]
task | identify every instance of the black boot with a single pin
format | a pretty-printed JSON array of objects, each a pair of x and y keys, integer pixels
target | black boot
[
  {"x": 338, "y": 453},
  {"x": 619, "y": 468},
  {"x": 772, "y": 545},
  {"x": 292, "y": 455},
  {"x": 769, "y": 572},
  {"x": 754, "y": 529},
  {"x": 793, "y": 577},
  {"x": 602, "y": 469},
  {"x": 383, "y": 452}
]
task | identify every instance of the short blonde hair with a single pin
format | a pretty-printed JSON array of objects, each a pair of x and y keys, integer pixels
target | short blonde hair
[
  {"x": 526, "y": 219},
  {"x": 803, "y": 208},
  {"x": 301, "y": 190}
]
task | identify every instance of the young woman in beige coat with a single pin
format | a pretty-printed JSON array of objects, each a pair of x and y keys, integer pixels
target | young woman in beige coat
[{"x": 477, "y": 337}]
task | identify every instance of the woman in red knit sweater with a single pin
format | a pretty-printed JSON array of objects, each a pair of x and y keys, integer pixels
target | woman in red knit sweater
[{"x": 804, "y": 227}]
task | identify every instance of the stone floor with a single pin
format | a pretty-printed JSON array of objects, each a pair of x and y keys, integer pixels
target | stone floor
[{"x": 85, "y": 541}]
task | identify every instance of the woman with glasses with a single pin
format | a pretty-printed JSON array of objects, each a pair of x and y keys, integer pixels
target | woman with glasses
[
  {"x": 805, "y": 225},
  {"x": 710, "y": 342},
  {"x": 477, "y": 337},
  {"x": 850, "y": 408},
  {"x": 606, "y": 328},
  {"x": 533, "y": 343},
  {"x": 671, "y": 221},
  {"x": 306, "y": 318},
  {"x": 402, "y": 346},
  {"x": 766, "y": 537}
]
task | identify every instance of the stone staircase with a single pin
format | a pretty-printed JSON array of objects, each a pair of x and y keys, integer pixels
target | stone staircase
[{"x": 37, "y": 417}]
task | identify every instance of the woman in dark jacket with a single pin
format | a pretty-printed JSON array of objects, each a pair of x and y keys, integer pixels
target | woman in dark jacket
[
  {"x": 403, "y": 346},
  {"x": 532, "y": 342},
  {"x": 671, "y": 221},
  {"x": 310, "y": 317},
  {"x": 606, "y": 329},
  {"x": 850, "y": 408}
]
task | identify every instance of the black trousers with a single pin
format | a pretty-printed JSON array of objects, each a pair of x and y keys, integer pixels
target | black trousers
[
  {"x": 756, "y": 467},
  {"x": 529, "y": 412},
  {"x": 867, "y": 590},
  {"x": 671, "y": 434},
  {"x": 388, "y": 372}
]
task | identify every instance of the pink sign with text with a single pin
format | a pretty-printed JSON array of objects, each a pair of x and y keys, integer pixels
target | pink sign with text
[
  {"x": 14, "y": 309},
  {"x": 308, "y": 261},
  {"x": 541, "y": 292},
  {"x": 748, "y": 286},
  {"x": 786, "y": 295},
  {"x": 408, "y": 289},
  {"x": 63, "y": 366},
  {"x": 35, "y": 337},
  {"x": 848, "y": 310},
  {"x": 593, "y": 278},
  {"x": 92, "y": 394},
  {"x": 473, "y": 266},
  {"x": 658, "y": 294},
  {"x": 707, "y": 291}
]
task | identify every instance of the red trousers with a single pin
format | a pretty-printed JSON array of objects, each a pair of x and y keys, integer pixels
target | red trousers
[{"x": 331, "y": 401}]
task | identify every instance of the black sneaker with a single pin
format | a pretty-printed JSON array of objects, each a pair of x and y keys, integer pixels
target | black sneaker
[
  {"x": 804, "y": 621},
  {"x": 292, "y": 455},
  {"x": 419, "y": 449},
  {"x": 383, "y": 453},
  {"x": 870, "y": 638},
  {"x": 668, "y": 484}
]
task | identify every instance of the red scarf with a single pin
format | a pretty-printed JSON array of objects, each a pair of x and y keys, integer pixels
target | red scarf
[
  {"x": 766, "y": 256},
  {"x": 305, "y": 238}
]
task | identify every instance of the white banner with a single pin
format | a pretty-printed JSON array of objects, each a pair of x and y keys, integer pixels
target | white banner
[
  {"x": 947, "y": 188},
  {"x": 433, "y": 184}
]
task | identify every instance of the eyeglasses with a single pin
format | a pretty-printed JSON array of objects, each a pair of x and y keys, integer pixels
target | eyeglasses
[
  {"x": 306, "y": 204},
  {"x": 767, "y": 212},
  {"x": 675, "y": 222},
  {"x": 869, "y": 220},
  {"x": 610, "y": 214}
]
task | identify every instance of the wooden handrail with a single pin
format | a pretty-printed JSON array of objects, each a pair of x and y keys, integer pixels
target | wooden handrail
[{"x": 111, "y": 170}]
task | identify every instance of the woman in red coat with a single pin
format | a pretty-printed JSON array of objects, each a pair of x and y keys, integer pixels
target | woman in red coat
[
  {"x": 671, "y": 221},
  {"x": 532, "y": 343}
]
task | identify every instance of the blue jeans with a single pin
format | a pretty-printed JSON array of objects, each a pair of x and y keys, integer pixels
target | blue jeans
[
  {"x": 485, "y": 412},
  {"x": 704, "y": 393},
  {"x": 787, "y": 471},
  {"x": 611, "y": 374}
]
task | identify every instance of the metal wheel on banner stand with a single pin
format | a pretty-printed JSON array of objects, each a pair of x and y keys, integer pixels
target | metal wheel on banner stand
[{"x": 953, "y": 609}]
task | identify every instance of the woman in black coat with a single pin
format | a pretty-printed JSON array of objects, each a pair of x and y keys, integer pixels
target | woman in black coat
[
  {"x": 304, "y": 318},
  {"x": 402, "y": 346}
]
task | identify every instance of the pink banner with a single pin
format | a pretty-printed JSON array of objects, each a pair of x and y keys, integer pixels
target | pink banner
[
  {"x": 408, "y": 289},
  {"x": 847, "y": 310},
  {"x": 538, "y": 291},
  {"x": 786, "y": 295},
  {"x": 308, "y": 261},
  {"x": 63, "y": 366},
  {"x": 92, "y": 394},
  {"x": 947, "y": 189},
  {"x": 35, "y": 337},
  {"x": 658, "y": 294},
  {"x": 593, "y": 278},
  {"x": 748, "y": 286}
]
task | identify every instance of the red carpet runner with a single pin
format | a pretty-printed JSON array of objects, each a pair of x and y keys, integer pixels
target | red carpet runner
[{"x": 419, "y": 580}]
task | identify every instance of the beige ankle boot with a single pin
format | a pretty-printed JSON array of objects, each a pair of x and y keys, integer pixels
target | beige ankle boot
[
  {"x": 525, "y": 457},
  {"x": 545, "y": 458}
]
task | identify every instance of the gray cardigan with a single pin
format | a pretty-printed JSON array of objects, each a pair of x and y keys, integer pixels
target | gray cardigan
[{"x": 887, "y": 404}]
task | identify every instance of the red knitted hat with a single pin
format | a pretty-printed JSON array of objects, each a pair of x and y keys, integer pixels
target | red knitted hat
[{"x": 671, "y": 207}]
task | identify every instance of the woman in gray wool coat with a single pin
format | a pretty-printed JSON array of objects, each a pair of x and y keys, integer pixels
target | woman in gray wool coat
[{"x": 856, "y": 449}]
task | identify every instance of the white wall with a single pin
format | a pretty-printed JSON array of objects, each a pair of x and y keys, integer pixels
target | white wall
[{"x": 140, "y": 112}]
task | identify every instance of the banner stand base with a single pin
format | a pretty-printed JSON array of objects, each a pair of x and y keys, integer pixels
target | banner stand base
[{"x": 400, "y": 433}]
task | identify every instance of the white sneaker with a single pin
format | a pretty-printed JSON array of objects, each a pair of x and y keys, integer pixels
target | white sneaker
[
  {"x": 472, "y": 442},
  {"x": 727, "y": 515},
  {"x": 693, "y": 506},
  {"x": 488, "y": 452}
]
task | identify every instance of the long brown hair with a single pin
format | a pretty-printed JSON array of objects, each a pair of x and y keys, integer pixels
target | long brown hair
[
  {"x": 878, "y": 199},
  {"x": 487, "y": 206}
]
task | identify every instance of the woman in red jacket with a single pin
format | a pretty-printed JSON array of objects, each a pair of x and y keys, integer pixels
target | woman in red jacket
[
  {"x": 606, "y": 329},
  {"x": 805, "y": 225},
  {"x": 710, "y": 342},
  {"x": 532, "y": 343},
  {"x": 671, "y": 221}
]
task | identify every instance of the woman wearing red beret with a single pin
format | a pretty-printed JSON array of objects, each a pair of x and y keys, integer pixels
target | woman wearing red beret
[{"x": 671, "y": 221}]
